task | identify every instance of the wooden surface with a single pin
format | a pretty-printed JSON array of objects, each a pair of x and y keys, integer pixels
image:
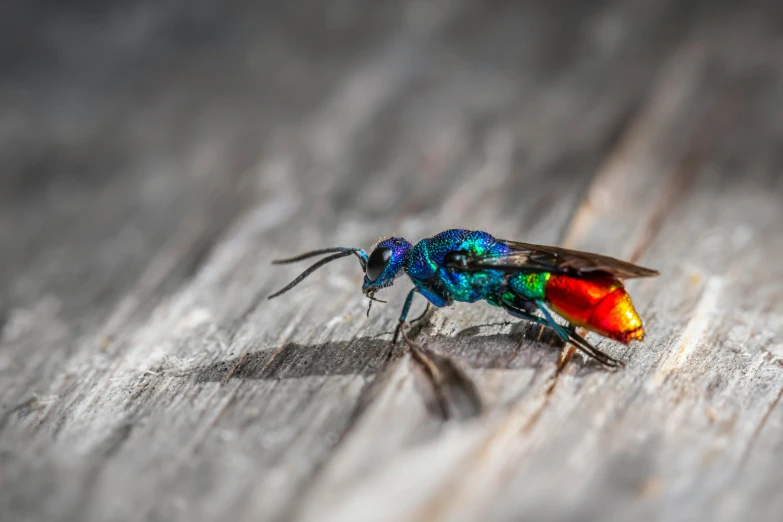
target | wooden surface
[{"x": 155, "y": 158}]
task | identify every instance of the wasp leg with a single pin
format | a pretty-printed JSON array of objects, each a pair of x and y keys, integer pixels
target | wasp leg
[
  {"x": 423, "y": 314},
  {"x": 523, "y": 314},
  {"x": 569, "y": 334},
  {"x": 585, "y": 347},
  {"x": 404, "y": 315},
  {"x": 415, "y": 347}
]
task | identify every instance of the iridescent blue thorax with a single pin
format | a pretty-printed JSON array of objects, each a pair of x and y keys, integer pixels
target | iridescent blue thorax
[
  {"x": 433, "y": 266},
  {"x": 431, "y": 261}
]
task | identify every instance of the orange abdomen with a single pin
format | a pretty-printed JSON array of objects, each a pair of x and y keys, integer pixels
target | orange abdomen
[{"x": 598, "y": 304}]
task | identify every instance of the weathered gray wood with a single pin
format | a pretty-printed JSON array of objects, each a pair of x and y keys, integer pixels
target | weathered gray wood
[{"x": 172, "y": 151}]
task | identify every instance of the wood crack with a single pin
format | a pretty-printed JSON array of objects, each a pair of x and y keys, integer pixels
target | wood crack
[{"x": 757, "y": 431}]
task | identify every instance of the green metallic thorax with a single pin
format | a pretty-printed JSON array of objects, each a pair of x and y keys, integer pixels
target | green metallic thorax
[{"x": 428, "y": 267}]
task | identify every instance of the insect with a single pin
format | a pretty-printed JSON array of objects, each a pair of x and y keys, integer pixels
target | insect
[{"x": 530, "y": 282}]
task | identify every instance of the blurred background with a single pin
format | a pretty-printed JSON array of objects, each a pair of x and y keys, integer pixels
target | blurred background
[
  {"x": 155, "y": 155},
  {"x": 124, "y": 121}
]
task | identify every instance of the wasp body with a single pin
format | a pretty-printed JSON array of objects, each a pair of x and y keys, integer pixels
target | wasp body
[{"x": 529, "y": 281}]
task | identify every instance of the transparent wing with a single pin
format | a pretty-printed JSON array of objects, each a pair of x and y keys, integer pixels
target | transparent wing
[{"x": 525, "y": 257}]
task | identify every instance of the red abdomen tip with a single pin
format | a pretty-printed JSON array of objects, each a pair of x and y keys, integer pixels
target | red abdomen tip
[{"x": 601, "y": 305}]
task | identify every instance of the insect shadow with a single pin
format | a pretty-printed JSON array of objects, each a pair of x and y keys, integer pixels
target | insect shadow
[
  {"x": 446, "y": 389},
  {"x": 524, "y": 346},
  {"x": 366, "y": 356}
]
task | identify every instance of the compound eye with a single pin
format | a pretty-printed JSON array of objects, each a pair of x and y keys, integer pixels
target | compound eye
[{"x": 377, "y": 262}]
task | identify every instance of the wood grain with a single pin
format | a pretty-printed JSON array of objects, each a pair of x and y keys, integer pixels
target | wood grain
[{"x": 156, "y": 158}]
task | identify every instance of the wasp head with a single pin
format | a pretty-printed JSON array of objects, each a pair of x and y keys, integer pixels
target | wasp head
[{"x": 385, "y": 263}]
